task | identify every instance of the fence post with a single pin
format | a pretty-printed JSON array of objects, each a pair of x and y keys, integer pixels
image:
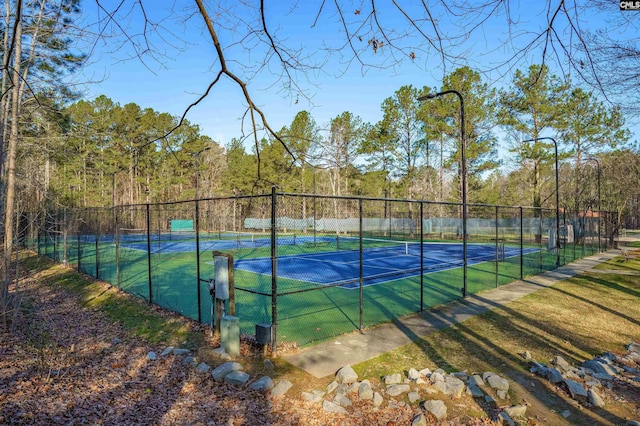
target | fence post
[
  {"x": 274, "y": 275},
  {"x": 540, "y": 247},
  {"x": 79, "y": 247},
  {"x": 564, "y": 248},
  {"x": 521, "y": 243},
  {"x": 55, "y": 236},
  {"x": 65, "y": 255},
  {"x": 361, "y": 257},
  {"x": 149, "y": 252},
  {"x": 421, "y": 256},
  {"x": 497, "y": 247},
  {"x": 198, "y": 260},
  {"x": 97, "y": 240},
  {"x": 117, "y": 243}
]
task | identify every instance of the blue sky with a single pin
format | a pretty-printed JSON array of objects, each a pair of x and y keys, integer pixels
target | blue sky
[{"x": 186, "y": 64}]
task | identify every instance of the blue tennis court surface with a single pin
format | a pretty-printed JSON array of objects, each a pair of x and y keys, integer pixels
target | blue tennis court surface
[
  {"x": 378, "y": 265},
  {"x": 342, "y": 267}
]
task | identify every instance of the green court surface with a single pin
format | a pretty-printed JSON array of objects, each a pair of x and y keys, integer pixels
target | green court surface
[{"x": 302, "y": 316}]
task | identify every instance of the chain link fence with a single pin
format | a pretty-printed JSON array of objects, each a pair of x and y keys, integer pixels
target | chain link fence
[{"x": 314, "y": 266}]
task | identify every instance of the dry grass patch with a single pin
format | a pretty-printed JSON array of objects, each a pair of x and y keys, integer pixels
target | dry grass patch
[{"x": 576, "y": 319}]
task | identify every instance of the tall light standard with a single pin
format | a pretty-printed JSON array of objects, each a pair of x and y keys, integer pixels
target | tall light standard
[
  {"x": 555, "y": 145},
  {"x": 463, "y": 162},
  {"x": 599, "y": 205}
]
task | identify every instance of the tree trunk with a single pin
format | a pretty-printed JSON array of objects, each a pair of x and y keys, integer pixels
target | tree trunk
[{"x": 11, "y": 170}]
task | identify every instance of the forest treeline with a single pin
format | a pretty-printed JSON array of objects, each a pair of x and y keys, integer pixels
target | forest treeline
[{"x": 100, "y": 153}]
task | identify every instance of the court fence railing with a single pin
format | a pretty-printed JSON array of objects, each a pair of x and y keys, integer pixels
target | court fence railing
[{"x": 314, "y": 266}]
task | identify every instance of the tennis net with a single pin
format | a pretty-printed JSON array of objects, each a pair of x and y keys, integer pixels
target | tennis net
[{"x": 377, "y": 244}]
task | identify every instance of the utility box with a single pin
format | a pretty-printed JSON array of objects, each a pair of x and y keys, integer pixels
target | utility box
[
  {"x": 230, "y": 334},
  {"x": 263, "y": 334},
  {"x": 221, "y": 266}
]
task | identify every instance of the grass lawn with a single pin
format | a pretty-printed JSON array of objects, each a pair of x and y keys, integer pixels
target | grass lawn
[{"x": 576, "y": 319}]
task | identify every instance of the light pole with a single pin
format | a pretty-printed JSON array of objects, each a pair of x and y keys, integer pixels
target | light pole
[
  {"x": 555, "y": 145},
  {"x": 463, "y": 162},
  {"x": 599, "y": 205}
]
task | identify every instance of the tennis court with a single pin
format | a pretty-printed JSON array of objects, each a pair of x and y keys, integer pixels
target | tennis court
[
  {"x": 335, "y": 260},
  {"x": 378, "y": 264},
  {"x": 407, "y": 255}
]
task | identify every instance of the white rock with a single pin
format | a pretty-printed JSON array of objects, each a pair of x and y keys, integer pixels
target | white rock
[
  {"x": 377, "y": 399},
  {"x": 342, "y": 400},
  {"x": 263, "y": 383},
  {"x": 425, "y": 372},
  {"x": 203, "y": 367},
  {"x": 238, "y": 378},
  {"x": 346, "y": 375},
  {"x": 413, "y": 374},
  {"x": 281, "y": 387},
  {"x": 497, "y": 382},
  {"x": 222, "y": 370},
  {"x": 395, "y": 390},
  {"x": 353, "y": 387},
  {"x": 576, "y": 390},
  {"x": 516, "y": 411},
  {"x": 311, "y": 397},
  {"x": 331, "y": 386},
  {"x": 595, "y": 399},
  {"x": 436, "y": 407},
  {"x": 332, "y": 407},
  {"x": 419, "y": 420},
  {"x": 392, "y": 379},
  {"x": 436, "y": 377},
  {"x": 365, "y": 391}
]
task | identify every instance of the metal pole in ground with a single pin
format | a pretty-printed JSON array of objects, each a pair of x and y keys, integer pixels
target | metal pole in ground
[
  {"x": 497, "y": 247},
  {"x": 521, "y": 244},
  {"x": 274, "y": 274},
  {"x": 599, "y": 170},
  {"x": 198, "y": 260},
  {"x": 463, "y": 163},
  {"x": 149, "y": 252},
  {"x": 421, "y": 256},
  {"x": 361, "y": 257},
  {"x": 117, "y": 242},
  {"x": 97, "y": 240},
  {"x": 555, "y": 146}
]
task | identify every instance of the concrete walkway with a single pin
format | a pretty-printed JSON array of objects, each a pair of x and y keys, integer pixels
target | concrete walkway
[{"x": 326, "y": 358}]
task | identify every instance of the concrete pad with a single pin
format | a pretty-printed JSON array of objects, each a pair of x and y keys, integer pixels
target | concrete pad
[{"x": 326, "y": 358}]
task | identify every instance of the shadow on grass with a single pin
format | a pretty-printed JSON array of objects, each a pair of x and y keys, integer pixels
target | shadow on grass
[{"x": 493, "y": 355}]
